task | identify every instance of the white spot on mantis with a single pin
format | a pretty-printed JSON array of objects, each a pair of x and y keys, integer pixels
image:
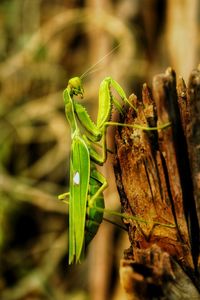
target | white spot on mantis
[{"x": 76, "y": 178}]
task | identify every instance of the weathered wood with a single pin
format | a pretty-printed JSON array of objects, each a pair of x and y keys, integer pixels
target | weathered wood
[
  {"x": 157, "y": 174},
  {"x": 193, "y": 133},
  {"x": 156, "y": 275}
]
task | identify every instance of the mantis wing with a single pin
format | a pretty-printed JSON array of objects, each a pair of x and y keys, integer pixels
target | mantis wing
[{"x": 79, "y": 185}]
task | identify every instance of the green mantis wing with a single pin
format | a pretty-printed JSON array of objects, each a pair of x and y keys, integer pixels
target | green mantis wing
[{"x": 79, "y": 185}]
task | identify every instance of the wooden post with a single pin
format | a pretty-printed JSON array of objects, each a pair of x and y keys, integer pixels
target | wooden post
[{"x": 158, "y": 179}]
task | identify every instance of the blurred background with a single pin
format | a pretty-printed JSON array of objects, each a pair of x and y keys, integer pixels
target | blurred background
[{"x": 43, "y": 44}]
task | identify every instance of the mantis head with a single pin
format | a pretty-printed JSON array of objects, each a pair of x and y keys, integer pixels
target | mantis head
[{"x": 75, "y": 85}]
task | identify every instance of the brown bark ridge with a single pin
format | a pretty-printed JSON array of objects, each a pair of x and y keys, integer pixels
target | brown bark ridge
[{"x": 158, "y": 179}]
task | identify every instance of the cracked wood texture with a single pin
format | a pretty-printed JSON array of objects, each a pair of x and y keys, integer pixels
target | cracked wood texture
[{"x": 158, "y": 179}]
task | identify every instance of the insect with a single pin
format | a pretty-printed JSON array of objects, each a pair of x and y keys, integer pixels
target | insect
[{"x": 86, "y": 202}]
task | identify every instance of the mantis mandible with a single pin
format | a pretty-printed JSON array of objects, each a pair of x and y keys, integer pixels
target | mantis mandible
[{"x": 86, "y": 202}]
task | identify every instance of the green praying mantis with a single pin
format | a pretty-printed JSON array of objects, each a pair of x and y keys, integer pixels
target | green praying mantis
[{"x": 86, "y": 202}]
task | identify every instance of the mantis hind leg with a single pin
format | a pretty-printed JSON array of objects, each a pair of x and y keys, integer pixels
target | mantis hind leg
[
  {"x": 63, "y": 197},
  {"x": 96, "y": 206}
]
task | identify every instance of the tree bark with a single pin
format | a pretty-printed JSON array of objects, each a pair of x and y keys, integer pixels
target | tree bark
[{"x": 158, "y": 179}]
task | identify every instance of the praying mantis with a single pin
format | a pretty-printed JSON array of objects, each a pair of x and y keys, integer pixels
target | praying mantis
[{"x": 86, "y": 202}]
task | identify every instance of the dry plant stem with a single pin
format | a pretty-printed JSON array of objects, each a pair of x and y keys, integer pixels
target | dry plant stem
[
  {"x": 99, "y": 251},
  {"x": 180, "y": 28},
  {"x": 24, "y": 192},
  {"x": 155, "y": 183},
  {"x": 50, "y": 29}
]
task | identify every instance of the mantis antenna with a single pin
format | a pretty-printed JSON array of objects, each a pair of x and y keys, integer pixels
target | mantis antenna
[{"x": 98, "y": 62}]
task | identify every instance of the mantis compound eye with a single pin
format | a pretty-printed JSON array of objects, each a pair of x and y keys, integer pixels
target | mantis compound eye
[{"x": 76, "y": 86}]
